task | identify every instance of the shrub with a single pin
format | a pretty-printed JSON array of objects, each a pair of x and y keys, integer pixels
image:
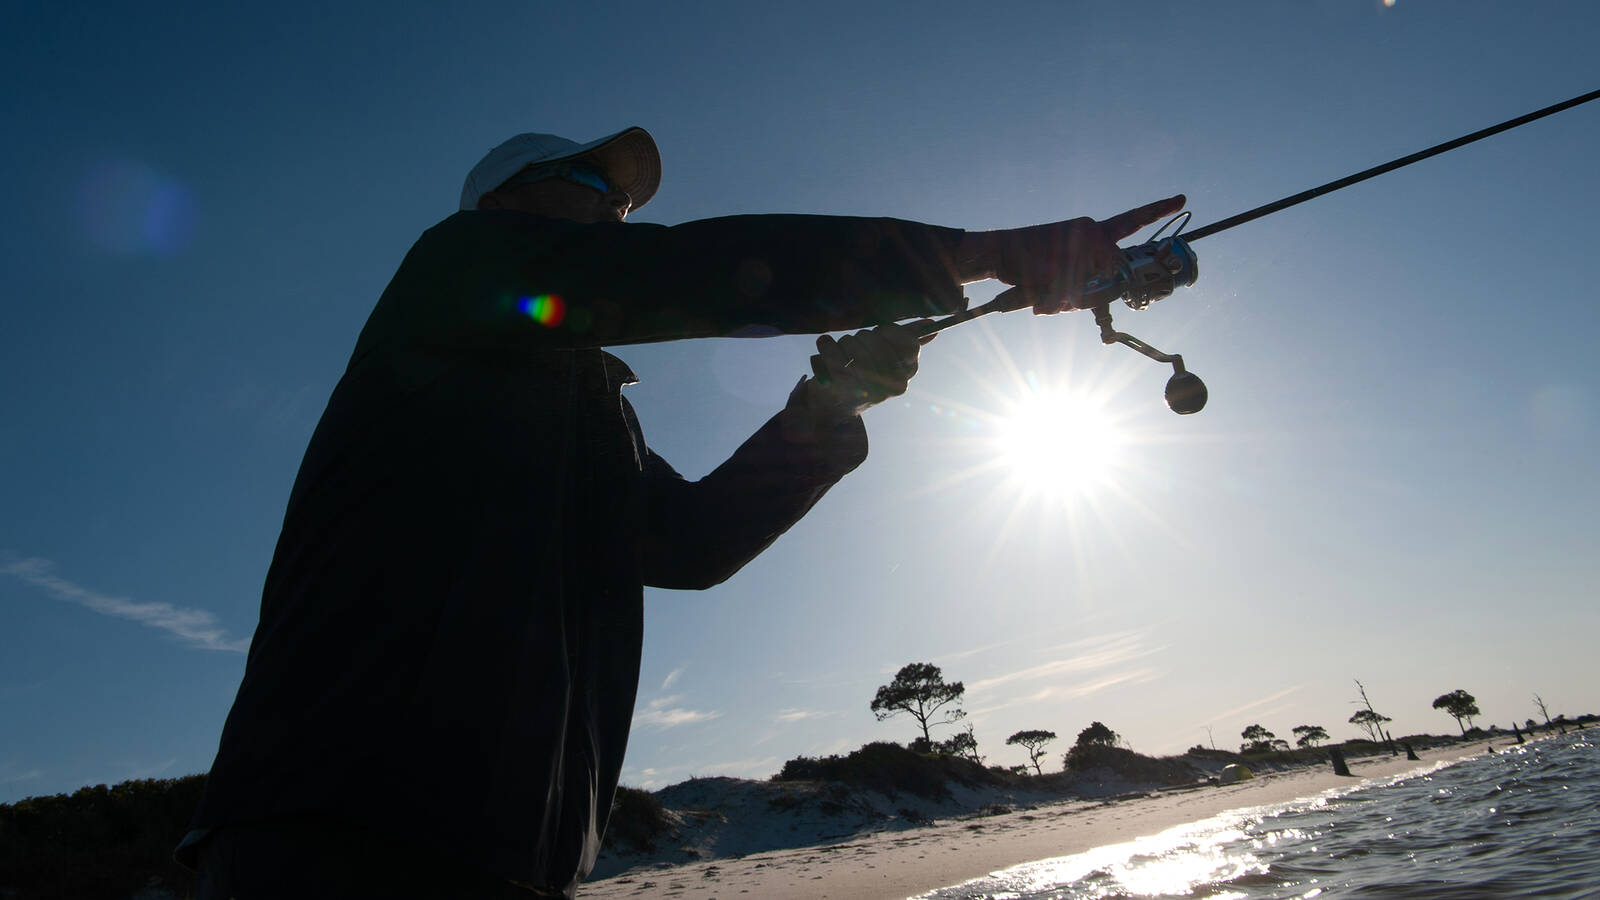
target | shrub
[
  {"x": 889, "y": 769},
  {"x": 98, "y": 841},
  {"x": 1130, "y": 765},
  {"x": 638, "y": 818},
  {"x": 1212, "y": 753}
]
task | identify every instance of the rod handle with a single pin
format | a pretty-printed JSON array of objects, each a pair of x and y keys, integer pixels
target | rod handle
[{"x": 1006, "y": 301}]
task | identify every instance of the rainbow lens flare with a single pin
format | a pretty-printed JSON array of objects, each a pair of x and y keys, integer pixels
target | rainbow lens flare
[{"x": 546, "y": 309}]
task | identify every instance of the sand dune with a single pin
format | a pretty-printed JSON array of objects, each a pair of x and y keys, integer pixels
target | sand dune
[{"x": 905, "y": 863}]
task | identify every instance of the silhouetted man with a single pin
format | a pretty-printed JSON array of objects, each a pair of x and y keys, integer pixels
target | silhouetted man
[{"x": 438, "y": 695}]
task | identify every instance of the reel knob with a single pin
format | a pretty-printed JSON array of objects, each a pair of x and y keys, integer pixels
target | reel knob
[{"x": 1186, "y": 393}]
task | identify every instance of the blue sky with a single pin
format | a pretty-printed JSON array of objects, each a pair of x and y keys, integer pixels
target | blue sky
[{"x": 1392, "y": 481}]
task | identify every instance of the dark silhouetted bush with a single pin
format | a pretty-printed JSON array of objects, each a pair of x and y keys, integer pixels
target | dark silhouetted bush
[
  {"x": 637, "y": 818},
  {"x": 98, "y": 841},
  {"x": 889, "y": 769},
  {"x": 1130, "y": 765},
  {"x": 1201, "y": 752}
]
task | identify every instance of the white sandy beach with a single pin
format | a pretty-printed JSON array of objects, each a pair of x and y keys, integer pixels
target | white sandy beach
[{"x": 906, "y": 863}]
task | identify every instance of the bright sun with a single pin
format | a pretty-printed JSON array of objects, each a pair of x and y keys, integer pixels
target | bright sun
[{"x": 1059, "y": 443}]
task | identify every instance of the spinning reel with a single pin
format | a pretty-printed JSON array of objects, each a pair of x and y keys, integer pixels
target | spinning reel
[
  {"x": 1146, "y": 273},
  {"x": 1161, "y": 265}
]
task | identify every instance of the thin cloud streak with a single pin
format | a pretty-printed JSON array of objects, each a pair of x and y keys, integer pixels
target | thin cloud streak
[
  {"x": 948, "y": 658},
  {"x": 660, "y": 714},
  {"x": 136, "y": 771},
  {"x": 1073, "y": 691},
  {"x": 1270, "y": 698},
  {"x": 654, "y": 778},
  {"x": 10, "y": 773},
  {"x": 1116, "y": 650},
  {"x": 196, "y": 627}
]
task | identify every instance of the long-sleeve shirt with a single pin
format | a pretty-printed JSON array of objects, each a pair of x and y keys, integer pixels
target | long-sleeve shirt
[{"x": 451, "y": 627}]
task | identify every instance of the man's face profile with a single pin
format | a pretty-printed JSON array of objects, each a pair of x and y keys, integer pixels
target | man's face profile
[{"x": 560, "y": 197}]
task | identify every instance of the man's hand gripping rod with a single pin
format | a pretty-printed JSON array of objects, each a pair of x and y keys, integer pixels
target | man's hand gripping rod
[
  {"x": 1156, "y": 268},
  {"x": 1147, "y": 273}
]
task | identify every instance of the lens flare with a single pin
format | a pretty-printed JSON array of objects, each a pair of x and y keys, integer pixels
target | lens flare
[
  {"x": 546, "y": 309},
  {"x": 129, "y": 209}
]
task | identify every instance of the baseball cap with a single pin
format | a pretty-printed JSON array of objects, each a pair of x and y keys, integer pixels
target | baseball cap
[{"x": 629, "y": 157}]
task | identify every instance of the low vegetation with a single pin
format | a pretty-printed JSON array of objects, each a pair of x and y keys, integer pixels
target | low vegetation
[
  {"x": 116, "y": 842},
  {"x": 638, "y": 819},
  {"x": 1130, "y": 766},
  {"x": 98, "y": 841},
  {"x": 891, "y": 770}
]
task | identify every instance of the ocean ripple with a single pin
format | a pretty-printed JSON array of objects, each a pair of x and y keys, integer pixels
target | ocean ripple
[{"x": 1520, "y": 823}]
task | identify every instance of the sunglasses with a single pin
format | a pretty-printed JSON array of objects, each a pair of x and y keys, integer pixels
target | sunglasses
[{"x": 575, "y": 172}]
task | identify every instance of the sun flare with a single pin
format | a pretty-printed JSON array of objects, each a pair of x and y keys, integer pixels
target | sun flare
[{"x": 1059, "y": 442}]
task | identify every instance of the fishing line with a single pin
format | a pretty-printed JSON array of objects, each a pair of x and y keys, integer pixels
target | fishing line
[
  {"x": 1375, "y": 171},
  {"x": 1153, "y": 270}
]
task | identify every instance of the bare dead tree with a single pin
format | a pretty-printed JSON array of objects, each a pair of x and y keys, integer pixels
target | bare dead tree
[{"x": 1372, "y": 719}]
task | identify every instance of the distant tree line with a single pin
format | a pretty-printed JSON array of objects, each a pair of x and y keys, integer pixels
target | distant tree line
[
  {"x": 116, "y": 842},
  {"x": 98, "y": 841},
  {"x": 920, "y": 691}
]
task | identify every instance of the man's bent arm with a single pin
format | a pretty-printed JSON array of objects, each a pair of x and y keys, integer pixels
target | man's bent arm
[{"x": 700, "y": 533}]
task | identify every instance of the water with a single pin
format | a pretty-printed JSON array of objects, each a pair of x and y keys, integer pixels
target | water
[{"x": 1523, "y": 822}]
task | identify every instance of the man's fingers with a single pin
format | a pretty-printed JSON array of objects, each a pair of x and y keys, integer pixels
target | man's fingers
[
  {"x": 1120, "y": 226},
  {"x": 830, "y": 349},
  {"x": 870, "y": 354},
  {"x": 819, "y": 369},
  {"x": 829, "y": 360},
  {"x": 902, "y": 338},
  {"x": 863, "y": 369},
  {"x": 882, "y": 361}
]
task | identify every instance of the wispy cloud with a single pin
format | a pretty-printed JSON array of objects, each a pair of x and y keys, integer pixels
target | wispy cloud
[
  {"x": 138, "y": 771},
  {"x": 947, "y": 658},
  {"x": 276, "y": 410},
  {"x": 1254, "y": 704},
  {"x": 749, "y": 768},
  {"x": 11, "y": 773},
  {"x": 661, "y": 713},
  {"x": 823, "y": 680},
  {"x": 672, "y": 678},
  {"x": 944, "y": 660},
  {"x": 1082, "y": 656},
  {"x": 653, "y": 778},
  {"x": 196, "y": 627},
  {"x": 1073, "y": 691},
  {"x": 798, "y": 715}
]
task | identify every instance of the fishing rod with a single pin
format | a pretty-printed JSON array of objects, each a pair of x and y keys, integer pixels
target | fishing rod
[{"x": 1161, "y": 265}]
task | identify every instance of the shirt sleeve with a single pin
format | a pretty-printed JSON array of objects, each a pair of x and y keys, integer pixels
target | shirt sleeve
[
  {"x": 502, "y": 277},
  {"x": 699, "y": 533}
]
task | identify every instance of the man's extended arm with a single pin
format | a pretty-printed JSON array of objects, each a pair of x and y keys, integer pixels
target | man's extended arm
[
  {"x": 517, "y": 279},
  {"x": 509, "y": 277}
]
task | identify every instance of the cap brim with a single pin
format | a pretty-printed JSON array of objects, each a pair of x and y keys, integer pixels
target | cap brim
[{"x": 631, "y": 159}]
